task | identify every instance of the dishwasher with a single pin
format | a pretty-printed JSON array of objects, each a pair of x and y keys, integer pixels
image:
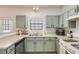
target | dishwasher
[{"x": 19, "y": 47}]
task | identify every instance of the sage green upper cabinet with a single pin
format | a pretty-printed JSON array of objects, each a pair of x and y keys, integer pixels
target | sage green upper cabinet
[
  {"x": 72, "y": 24},
  {"x": 51, "y": 21},
  {"x": 61, "y": 21},
  {"x": 20, "y": 21},
  {"x": 72, "y": 11}
]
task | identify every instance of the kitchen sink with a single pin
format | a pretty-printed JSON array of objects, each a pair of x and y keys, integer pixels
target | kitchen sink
[
  {"x": 35, "y": 34},
  {"x": 70, "y": 40},
  {"x": 75, "y": 45}
]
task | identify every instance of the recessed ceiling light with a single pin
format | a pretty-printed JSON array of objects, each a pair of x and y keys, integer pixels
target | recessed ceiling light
[
  {"x": 33, "y": 8},
  {"x": 37, "y": 8}
]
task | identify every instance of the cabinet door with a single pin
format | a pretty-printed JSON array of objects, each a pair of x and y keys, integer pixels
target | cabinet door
[
  {"x": 20, "y": 21},
  {"x": 29, "y": 45},
  {"x": 72, "y": 24},
  {"x": 39, "y": 45},
  {"x": 3, "y": 51},
  {"x": 51, "y": 21},
  {"x": 49, "y": 45}
]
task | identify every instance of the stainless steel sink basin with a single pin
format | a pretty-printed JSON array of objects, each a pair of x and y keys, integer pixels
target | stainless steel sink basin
[
  {"x": 35, "y": 35},
  {"x": 70, "y": 40}
]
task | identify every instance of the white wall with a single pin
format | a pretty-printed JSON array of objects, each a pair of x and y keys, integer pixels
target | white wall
[
  {"x": 13, "y": 11},
  {"x": 67, "y": 7}
]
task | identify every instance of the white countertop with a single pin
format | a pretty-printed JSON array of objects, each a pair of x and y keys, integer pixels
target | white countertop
[
  {"x": 69, "y": 48},
  {"x": 7, "y": 41}
]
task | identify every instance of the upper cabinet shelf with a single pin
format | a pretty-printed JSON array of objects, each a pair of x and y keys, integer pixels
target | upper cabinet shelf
[
  {"x": 73, "y": 13},
  {"x": 74, "y": 17}
]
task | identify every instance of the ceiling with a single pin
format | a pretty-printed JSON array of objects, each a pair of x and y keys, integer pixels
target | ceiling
[{"x": 30, "y": 6}]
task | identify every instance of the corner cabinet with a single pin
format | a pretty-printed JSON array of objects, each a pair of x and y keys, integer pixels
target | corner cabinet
[{"x": 9, "y": 50}]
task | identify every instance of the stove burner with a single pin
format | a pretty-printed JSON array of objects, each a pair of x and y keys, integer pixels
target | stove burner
[
  {"x": 75, "y": 45},
  {"x": 70, "y": 40}
]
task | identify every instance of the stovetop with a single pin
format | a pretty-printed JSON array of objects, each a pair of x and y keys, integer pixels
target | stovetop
[{"x": 75, "y": 45}]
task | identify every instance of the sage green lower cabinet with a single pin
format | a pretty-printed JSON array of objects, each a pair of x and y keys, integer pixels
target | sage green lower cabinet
[
  {"x": 9, "y": 50},
  {"x": 3, "y": 51},
  {"x": 34, "y": 44},
  {"x": 40, "y": 44},
  {"x": 49, "y": 44},
  {"x": 30, "y": 45}
]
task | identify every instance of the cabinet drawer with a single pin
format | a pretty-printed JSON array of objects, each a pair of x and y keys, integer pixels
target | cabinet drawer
[{"x": 10, "y": 49}]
